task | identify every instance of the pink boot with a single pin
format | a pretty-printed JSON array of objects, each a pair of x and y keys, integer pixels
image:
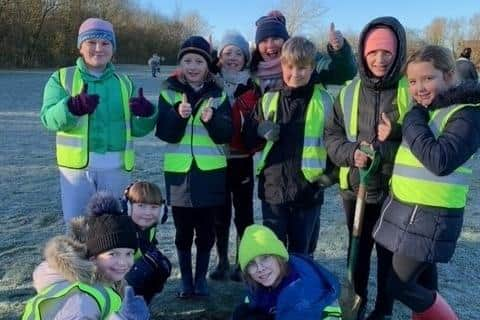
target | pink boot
[{"x": 440, "y": 310}]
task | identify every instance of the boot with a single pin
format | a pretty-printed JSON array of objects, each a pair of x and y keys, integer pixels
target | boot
[
  {"x": 378, "y": 315},
  {"x": 440, "y": 310},
  {"x": 201, "y": 268},
  {"x": 222, "y": 269},
  {"x": 236, "y": 274},
  {"x": 185, "y": 262}
]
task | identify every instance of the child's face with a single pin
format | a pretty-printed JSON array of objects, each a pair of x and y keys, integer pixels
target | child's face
[
  {"x": 114, "y": 264},
  {"x": 425, "y": 82},
  {"x": 264, "y": 269},
  {"x": 194, "y": 67},
  {"x": 295, "y": 76},
  {"x": 379, "y": 62},
  {"x": 145, "y": 215},
  {"x": 270, "y": 48},
  {"x": 96, "y": 53},
  {"x": 232, "y": 58}
]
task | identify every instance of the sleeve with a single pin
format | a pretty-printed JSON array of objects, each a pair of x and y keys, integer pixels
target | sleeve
[
  {"x": 220, "y": 127},
  {"x": 170, "y": 127},
  {"x": 54, "y": 114},
  {"x": 249, "y": 132},
  {"x": 79, "y": 306},
  {"x": 459, "y": 140},
  {"x": 341, "y": 68},
  {"x": 339, "y": 149}
]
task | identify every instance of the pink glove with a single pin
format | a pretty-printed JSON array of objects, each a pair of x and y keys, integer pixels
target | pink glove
[{"x": 83, "y": 103}]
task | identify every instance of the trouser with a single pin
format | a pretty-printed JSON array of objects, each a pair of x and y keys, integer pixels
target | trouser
[
  {"x": 384, "y": 300},
  {"x": 292, "y": 225},
  {"x": 244, "y": 312},
  {"x": 240, "y": 193},
  {"x": 198, "y": 222},
  {"x": 312, "y": 246},
  {"x": 78, "y": 185},
  {"x": 414, "y": 283}
]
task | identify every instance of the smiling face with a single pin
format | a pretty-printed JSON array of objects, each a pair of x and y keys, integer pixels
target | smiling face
[
  {"x": 264, "y": 270},
  {"x": 96, "y": 53},
  {"x": 232, "y": 58},
  {"x": 425, "y": 82},
  {"x": 195, "y": 68},
  {"x": 114, "y": 264},
  {"x": 379, "y": 62},
  {"x": 145, "y": 215},
  {"x": 270, "y": 48},
  {"x": 296, "y": 76}
]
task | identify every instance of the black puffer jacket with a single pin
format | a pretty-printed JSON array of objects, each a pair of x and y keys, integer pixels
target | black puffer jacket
[{"x": 377, "y": 95}]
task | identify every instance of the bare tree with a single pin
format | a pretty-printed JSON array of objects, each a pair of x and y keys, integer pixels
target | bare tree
[
  {"x": 436, "y": 30},
  {"x": 302, "y": 15},
  {"x": 474, "y": 27},
  {"x": 454, "y": 33}
]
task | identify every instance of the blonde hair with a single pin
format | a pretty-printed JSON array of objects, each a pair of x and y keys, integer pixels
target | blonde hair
[
  {"x": 284, "y": 269},
  {"x": 144, "y": 192},
  {"x": 298, "y": 51},
  {"x": 440, "y": 57}
]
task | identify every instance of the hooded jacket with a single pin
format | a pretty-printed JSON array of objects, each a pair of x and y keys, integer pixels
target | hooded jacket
[
  {"x": 376, "y": 95},
  {"x": 65, "y": 260}
]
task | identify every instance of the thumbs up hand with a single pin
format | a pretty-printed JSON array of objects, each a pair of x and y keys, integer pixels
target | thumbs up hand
[
  {"x": 184, "y": 108},
  {"x": 140, "y": 106},
  {"x": 335, "y": 38},
  {"x": 83, "y": 103},
  {"x": 384, "y": 127},
  {"x": 207, "y": 112}
]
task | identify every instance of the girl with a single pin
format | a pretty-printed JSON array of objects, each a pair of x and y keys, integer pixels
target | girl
[
  {"x": 148, "y": 275},
  {"x": 194, "y": 118},
  {"x": 270, "y": 35},
  {"x": 422, "y": 218},
  {"x": 242, "y": 94},
  {"x": 282, "y": 286},
  {"x": 83, "y": 272},
  {"x": 91, "y": 108}
]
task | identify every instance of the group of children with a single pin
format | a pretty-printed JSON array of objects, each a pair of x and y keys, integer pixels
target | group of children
[{"x": 214, "y": 115}]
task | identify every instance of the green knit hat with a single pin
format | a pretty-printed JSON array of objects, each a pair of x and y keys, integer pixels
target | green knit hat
[{"x": 259, "y": 240}]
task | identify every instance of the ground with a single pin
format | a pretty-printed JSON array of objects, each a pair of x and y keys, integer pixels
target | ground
[{"x": 30, "y": 213}]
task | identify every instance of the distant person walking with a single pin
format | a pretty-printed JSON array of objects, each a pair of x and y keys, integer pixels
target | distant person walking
[
  {"x": 465, "y": 68},
  {"x": 92, "y": 109},
  {"x": 154, "y": 63}
]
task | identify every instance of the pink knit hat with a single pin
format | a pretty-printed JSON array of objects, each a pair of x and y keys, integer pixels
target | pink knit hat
[
  {"x": 380, "y": 38},
  {"x": 94, "y": 28}
]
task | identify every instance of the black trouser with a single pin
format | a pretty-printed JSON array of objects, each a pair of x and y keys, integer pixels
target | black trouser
[
  {"x": 194, "y": 221},
  {"x": 384, "y": 300},
  {"x": 240, "y": 193},
  {"x": 413, "y": 282},
  {"x": 243, "y": 312}
]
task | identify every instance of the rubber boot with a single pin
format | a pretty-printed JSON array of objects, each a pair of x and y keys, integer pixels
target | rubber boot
[
  {"x": 223, "y": 267},
  {"x": 201, "y": 268},
  {"x": 440, "y": 310},
  {"x": 236, "y": 274},
  {"x": 185, "y": 262}
]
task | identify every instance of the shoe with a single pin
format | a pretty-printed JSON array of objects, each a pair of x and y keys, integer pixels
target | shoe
[
  {"x": 440, "y": 310},
  {"x": 236, "y": 274},
  {"x": 201, "y": 268},
  {"x": 185, "y": 262}
]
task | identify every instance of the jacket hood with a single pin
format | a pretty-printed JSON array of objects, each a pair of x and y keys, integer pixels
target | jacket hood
[
  {"x": 395, "y": 72},
  {"x": 467, "y": 92}
]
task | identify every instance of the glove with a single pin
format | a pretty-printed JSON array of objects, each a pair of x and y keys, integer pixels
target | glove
[
  {"x": 83, "y": 103},
  {"x": 140, "y": 106},
  {"x": 133, "y": 307},
  {"x": 268, "y": 130}
]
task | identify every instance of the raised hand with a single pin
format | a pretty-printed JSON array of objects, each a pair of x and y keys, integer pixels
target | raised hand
[
  {"x": 140, "y": 106},
  {"x": 184, "y": 108},
  {"x": 83, "y": 103},
  {"x": 133, "y": 307},
  {"x": 335, "y": 38},
  {"x": 384, "y": 127},
  {"x": 207, "y": 113}
]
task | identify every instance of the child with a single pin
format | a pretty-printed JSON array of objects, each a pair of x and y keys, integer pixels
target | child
[
  {"x": 294, "y": 159},
  {"x": 283, "y": 286},
  {"x": 151, "y": 269},
  {"x": 270, "y": 35},
  {"x": 359, "y": 117},
  {"x": 92, "y": 109},
  {"x": 243, "y": 95},
  {"x": 422, "y": 218},
  {"x": 83, "y": 272},
  {"x": 194, "y": 118}
]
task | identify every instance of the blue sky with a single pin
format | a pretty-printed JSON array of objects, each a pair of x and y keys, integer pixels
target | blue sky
[{"x": 347, "y": 15}]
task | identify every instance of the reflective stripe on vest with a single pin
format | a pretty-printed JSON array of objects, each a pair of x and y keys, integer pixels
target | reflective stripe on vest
[
  {"x": 107, "y": 299},
  {"x": 196, "y": 142},
  {"x": 151, "y": 235},
  {"x": 72, "y": 145},
  {"x": 314, "y": 154},
  {"x": 349, "y": 98},
  {"x": 332, "y": 312},
  {"x": 413, "y": 183}
]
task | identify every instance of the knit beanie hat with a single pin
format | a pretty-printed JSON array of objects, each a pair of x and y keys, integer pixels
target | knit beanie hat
[
  {"x": 259, "y": 240},
  {"x": 380, "y": 38},
  {"x": 94, "y": 28},
  {"x": 107, "y": 227},
  {"x": 198, "y": 45},
  {"x": 271, "y": 25},
  {"x": 236, "y": 39}
]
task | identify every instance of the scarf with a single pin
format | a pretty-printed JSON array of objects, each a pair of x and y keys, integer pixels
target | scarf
[
  {"x": 230, "y": 80},
  {"x": 270, "y": 74}
]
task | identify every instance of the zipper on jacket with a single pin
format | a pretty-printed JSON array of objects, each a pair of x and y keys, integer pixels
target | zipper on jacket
[
  {"x": 382, "y": 215},
  {"x": 414, "y": 214}
]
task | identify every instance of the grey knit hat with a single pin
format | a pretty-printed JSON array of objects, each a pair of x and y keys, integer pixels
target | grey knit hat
[{"x": 236, "y": 39}]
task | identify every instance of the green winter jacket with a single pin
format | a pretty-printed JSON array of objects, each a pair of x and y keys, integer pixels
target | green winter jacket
[{"x": 106, "y": 124}]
